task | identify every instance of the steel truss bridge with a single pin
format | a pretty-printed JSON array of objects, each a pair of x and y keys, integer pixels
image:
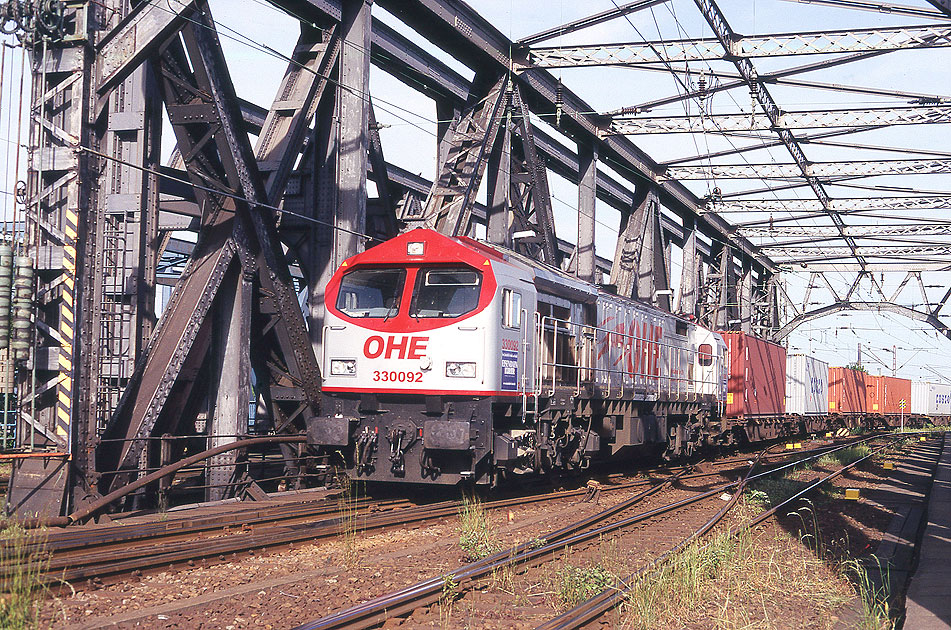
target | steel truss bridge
[{"x": 707, "y": 145}]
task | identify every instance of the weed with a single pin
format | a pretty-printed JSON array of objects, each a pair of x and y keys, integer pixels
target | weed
[
  {"x": 844, "y": 456},
  {"x": 731, "y": 582},
  {"x": 476, "y": 534},
  {"x": 349, "y": 519},
  {"x": 757, "y": 497},
  {"x": 447, "y": 599},
  {"x": 503, "y": 578},
  {"x": 770, "y": 491},
  {"x": 23, "y": 559},
  {"x": 579, "y": 584},
  {"x": 875, "y": 609}
]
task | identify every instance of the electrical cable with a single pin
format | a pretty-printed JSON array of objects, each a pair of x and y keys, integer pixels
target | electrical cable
[{"x": 222, "y": 193}]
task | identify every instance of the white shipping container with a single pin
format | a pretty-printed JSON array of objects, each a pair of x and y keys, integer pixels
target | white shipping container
[
  {"x": 807, "y": 385},
  {"x": 930, "y": 399}
]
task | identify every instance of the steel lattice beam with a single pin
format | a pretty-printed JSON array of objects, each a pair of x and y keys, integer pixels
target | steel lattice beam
[
  {"x": 717, "y": 21},
  {"x": 829, "y": 252},
  {"x": 857, "y": 231},
  {"x": 839, "y": 205},
  {"x": 881, "y": 7},
  {"x": 846, "y": 118},
  {"x": 814, "y": 169},
  {"x": 709, "y": 49}
]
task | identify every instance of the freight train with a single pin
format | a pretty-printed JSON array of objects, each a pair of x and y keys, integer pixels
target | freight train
[{"x": 448, "y": 360}]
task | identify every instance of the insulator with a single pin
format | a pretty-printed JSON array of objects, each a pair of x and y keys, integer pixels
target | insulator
[
  {"x": 22, "y": 307},
  {"x": 6, "y": 292},
  {"x": 559, "y": 102},
  {"x": 702, "y": 87}
]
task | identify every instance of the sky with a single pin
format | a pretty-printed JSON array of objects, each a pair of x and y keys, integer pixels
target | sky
[{"x": 248, "y": 28}]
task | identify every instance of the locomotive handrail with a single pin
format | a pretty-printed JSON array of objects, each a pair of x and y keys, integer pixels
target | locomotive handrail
[{"x": 586, "y": 371}]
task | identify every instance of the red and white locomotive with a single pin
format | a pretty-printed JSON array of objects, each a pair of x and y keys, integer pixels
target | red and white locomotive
[{"x": 446, "y": 359}]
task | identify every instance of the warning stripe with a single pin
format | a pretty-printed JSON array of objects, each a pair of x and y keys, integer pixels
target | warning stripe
[{"x": 67, "y": 324}]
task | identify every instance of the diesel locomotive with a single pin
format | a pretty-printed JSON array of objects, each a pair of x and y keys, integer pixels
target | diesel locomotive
[{"x": 448, "y": 360}]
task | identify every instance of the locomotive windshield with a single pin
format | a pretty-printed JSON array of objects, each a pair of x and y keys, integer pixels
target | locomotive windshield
[
  {"x": 445, "y": 292},
  {"x": 371, "y": 292}
]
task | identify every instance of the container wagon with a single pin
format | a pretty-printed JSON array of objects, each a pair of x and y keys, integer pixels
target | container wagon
[
  {"x": 756, "y": 385},
  {"x": 847, "y": 396},
  {"x": 888, "y": 398},
  {"x": 931, "y": 401},
  {"x": 807, "y": 391}
]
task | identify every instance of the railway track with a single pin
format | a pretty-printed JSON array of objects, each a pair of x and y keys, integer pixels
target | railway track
[
  {"x": 107, "y": 553},
  {"x": 402, "y": 602},
  {"x": 609, "y": 599}
]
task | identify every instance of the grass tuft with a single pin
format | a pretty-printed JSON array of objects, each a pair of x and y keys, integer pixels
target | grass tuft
[
  {"x": 477, "y": 537},
  {"x": 23, "y": 560},
  {"x": 845, "y": 456},
  {"x": 770, "y": 491},
  {"x": 579, "y": 584},
  {"x": 875, "y": 611},
  {"x": 731, "y": 582},
  {"x": 349, "y": 525}
]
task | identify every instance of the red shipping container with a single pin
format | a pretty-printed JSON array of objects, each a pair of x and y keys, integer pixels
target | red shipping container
[
  {"x": 757, "y": 382},
  {"x": 847, "y": 391},
  {"x": 885, "y": 393}
]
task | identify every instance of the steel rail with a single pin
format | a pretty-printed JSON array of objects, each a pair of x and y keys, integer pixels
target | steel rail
[{"x": 399, "y": 602}]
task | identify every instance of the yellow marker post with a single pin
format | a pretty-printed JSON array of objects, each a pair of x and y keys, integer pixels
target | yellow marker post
[
  {"x": 852, "y": 494},
  {"x": 797, "y": 445},
  {"x": 889, "y": 465},
  {"x": 790, "y": 447},
  {"x": 828, "y": 434},
  {"x": 922, "y": 439}
]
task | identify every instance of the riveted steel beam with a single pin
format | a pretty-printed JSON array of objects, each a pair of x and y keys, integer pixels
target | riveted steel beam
[
  {"x": 863, "y": 168},
  {"x": 718, "y": 123},
  {"x": 136, "y": 38},
  {"x": 774, "y": 45}
]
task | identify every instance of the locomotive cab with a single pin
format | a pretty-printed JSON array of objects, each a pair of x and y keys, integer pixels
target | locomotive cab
[{"x": 413, "y": 358}]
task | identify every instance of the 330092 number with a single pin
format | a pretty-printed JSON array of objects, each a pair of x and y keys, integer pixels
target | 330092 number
[{"x": 397, "y": 377}]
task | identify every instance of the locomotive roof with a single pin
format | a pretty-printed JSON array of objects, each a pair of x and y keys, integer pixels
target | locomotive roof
[{"x": 442, "y": 249}]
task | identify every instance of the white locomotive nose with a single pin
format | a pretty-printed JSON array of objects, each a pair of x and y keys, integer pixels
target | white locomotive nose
[{"x": 425, "y": 364}]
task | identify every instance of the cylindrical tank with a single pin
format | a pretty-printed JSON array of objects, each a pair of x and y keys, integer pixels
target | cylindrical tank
[
  {"x": 22, "y": 305},
  {"x": 6, "y": 292}
]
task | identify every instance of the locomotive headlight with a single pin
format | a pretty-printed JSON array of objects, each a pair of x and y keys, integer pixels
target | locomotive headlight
[
  {"x": 415, "y": 249},
  {"x": 460, "y": 369},
  {"x": 343, "y": 367}
]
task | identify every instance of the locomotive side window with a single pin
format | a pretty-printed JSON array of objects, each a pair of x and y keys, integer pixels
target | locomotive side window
[
  {"x": 705, "y": 354},
  {"x": 511, "y": 308},
  {"x": 446, "y": 292},
  {"x": 371, "y": 292}
]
